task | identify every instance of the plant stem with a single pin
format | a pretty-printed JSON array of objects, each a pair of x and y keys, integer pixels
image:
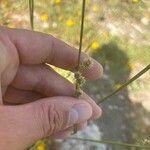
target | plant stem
[
  {"x": 81, "y": 35},
  {"x": 125, "y": 84},
  {"x": 78, "y": 76},
  {"x": 31, "y": 8},
  {"x": 112, "y": 143}
]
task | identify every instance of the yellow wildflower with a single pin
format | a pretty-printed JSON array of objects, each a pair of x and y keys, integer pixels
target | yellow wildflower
[
  {"x": 44, "y": 17},
  {"x": 41, "y": 146},
  {"x": 135, "y": 1},
  {"x": 70, "y": 23},
  {"x": 57, "y": 1},
  {"x": 95, "y": 45}
]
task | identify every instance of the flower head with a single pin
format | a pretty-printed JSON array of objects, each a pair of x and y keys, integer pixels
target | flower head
[
  {"x": 41, "y": 146},
  {"x": 95, "y": 45},
  {"x": 44, "y": 17},
  {"x": 70, "y": 23}
]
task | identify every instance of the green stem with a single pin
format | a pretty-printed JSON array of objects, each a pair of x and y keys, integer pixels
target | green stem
[
  {"x": 31, "y": 8},
  {"x": 125, "y": 84},
  {"x": 78, "y": 75},
  {"x": 81, "y": 35},
  {"x": 112, "y": 143}
]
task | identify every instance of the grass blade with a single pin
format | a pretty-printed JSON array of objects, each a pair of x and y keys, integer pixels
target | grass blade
[
  {"x": 111, "y": 142},
  {"x": 125, "y": 84}
]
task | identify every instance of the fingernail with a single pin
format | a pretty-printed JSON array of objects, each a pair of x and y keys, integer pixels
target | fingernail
[{"x": 79, "y": 113}]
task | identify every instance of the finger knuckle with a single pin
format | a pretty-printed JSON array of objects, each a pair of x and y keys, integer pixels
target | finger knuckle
[{"x": 51, "y": 120}]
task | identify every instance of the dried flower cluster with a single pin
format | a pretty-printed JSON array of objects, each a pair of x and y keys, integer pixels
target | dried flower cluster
[{"x": 80, "y": 80}]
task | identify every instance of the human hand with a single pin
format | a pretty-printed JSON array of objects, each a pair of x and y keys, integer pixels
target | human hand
[{"x": 36, "y": 101}]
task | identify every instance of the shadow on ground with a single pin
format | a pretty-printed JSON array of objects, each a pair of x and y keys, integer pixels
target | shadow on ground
[{"x": 120, "y": 119}]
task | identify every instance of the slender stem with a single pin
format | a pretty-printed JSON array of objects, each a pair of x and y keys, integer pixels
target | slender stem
[
  {"x": 125, "y": 84},
  {"x": 111, "y": 142},
  {"x": 81, "y": 35},
  {"x": 31, "y": 7},
  {"x": 78, "y": 75}
]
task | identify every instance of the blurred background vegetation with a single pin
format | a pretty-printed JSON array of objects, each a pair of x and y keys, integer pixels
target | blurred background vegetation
[{"x": 117, "y": 34}]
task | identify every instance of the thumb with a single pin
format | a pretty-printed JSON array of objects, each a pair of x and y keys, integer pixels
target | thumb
[
  {"x": 58, "y": 113},
  {"x": 33, "y": 121}
]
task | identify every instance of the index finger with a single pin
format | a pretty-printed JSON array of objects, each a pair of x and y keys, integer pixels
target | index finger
[{"x": 37, "y": 48}]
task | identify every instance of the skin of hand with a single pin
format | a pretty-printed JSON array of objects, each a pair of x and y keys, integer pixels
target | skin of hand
[{"x": 35, "y": 101}]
